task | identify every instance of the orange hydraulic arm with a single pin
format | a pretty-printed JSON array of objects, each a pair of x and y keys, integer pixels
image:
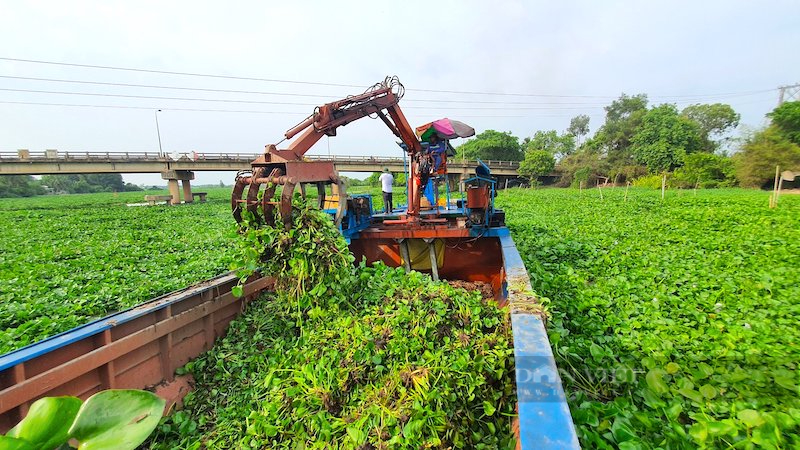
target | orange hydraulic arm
[
  {"x": 382, "y": 100},
  {"x": 327, "y": 118}
]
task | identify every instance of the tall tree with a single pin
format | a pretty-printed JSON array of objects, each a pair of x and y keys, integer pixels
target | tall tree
[
  {"x": 493, "y": 145},
  {"x": 787, "y": 120},
  {"x": 582, "y": 166},
  {"x": 664, "y": 138},
  {"x": 19, "y": 186},
  {"x": 536, "y": 163},
  {"x": 714, "y": 121},
  {"x": 708, "y": 170},
  {"x": 111, "y": 182},
  {"x": 623, "y": 117},
  {"x": 85, "y": 183},
  {"x": 551, "y": 142},
  {"x": 579, "y": 127},
  {"x": 755, "y": 164}
]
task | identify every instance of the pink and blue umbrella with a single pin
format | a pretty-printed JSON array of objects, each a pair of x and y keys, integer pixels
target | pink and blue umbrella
[{"x": 445, "y": 129}]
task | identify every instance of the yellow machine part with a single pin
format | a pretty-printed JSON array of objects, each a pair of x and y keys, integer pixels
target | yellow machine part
[
  {"x": 331, "y": 201},
  {"x": 420, "y": 255}
]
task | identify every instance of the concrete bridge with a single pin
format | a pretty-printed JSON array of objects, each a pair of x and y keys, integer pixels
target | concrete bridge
[
  {"x": 52, "y": 162},
  {"x": 175, "y": 167}
]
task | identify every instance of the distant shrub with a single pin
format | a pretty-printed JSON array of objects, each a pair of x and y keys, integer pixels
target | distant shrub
[
  {"x": 704, "y": 170},
  {"x": 649, "y": 181}
]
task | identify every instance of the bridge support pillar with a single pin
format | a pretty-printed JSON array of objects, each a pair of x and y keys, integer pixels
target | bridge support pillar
[
  {"x": 461, "y": 178},
  {"x": 453, "y": 180},
  {"x": 187, "y": 191},
  {"x": 174, "y": 191},
  {"x": 172, "y": 177}
]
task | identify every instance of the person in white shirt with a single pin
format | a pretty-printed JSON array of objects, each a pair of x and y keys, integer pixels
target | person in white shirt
[{"x": 386, "y": 180}]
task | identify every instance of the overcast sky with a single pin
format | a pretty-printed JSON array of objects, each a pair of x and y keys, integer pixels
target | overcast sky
[{"x": 560, "y": 59}]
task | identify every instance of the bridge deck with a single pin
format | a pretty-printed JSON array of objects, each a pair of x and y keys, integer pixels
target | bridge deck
[{"x": 53, "y": 162}]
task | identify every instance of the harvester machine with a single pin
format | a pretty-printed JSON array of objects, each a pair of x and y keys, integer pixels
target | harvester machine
[{"x": 445, "y": 238}]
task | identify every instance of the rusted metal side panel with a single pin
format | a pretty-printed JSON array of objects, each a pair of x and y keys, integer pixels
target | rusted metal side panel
[
  {"x": 138, "y": 348},
  {"x": 464, "y": 259}
]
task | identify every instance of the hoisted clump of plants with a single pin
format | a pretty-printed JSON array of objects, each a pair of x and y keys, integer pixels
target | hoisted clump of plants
[{"x": 309, "y": 261}]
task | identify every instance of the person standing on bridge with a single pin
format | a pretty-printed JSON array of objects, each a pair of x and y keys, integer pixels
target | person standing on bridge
[{"x": 387, "y": 180}]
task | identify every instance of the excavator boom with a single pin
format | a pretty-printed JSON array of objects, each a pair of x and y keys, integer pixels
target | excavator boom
[{"x": 286, "y": 166}]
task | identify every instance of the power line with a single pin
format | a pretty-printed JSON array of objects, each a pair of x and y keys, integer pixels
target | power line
[
  {"x": 167, "y": 72},
  {"x": 292, "y": 94},
  {"x": 35, "y": 91},
  {"x": 151, "y": 108},
  {"x": 584, "y": 104},
  {"x": 274, "y": 80},
  {"x": 102, "y": 83},
  {"x": 94, "y": 94},
  {"x": 555, "y": 107}
]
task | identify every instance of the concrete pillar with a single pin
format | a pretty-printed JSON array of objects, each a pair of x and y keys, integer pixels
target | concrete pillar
[
  {"x": 462, "y": 177},
  {"x": 453, "y": 179},
  {"x": 172, "y": 177},
  {"x": 174, "y": 191},
  {"x": 187, "y": 191}
]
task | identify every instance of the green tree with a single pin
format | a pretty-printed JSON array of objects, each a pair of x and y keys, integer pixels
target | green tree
[
  {"x": 19, "y": 186},
  {"x": 665, "y": 138},
  {"x": 109, "y": 182},
  {"x": 714, "y": 121},
  {"x": 491, "y": 145},
  {"x": 579, "y": 127},
  {"x": 787, "y": 120},
  {"x": 583, "y": 166},
  {"x": 551, "y": 142},
  {"x": 536, "y": 164},
  {"x": 761, "y": 153},
  {"x": 706, "y": 170},
  {"x": 86, "y": 183},
  {"x": 60, "y": 183},
  {"x": 623, "y": 117},
  {"x": 372, "y": 179}
]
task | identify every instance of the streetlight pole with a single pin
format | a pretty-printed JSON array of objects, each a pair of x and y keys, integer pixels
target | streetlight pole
[{"x": 158, "y": 130}]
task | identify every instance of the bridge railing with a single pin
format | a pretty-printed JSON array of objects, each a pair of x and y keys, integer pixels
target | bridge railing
[
  {"x": 123, "y": 156},
  {"x": 67, "y": 156}
]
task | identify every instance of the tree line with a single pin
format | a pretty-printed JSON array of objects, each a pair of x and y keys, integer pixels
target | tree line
[
  {"x": 639, "y": 143},
  {"x": 28, "y": 186}
]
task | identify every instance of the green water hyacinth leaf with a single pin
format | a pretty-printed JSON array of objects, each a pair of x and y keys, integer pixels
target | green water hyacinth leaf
[
  {"x": 622, "y": 431},
  {"x": 117, "y": 419},
  {"x": 699, "y": 432},
  {"x": 596, "y": 351},
  {"x": 726, "y": 427},
  {"x": 47, "y": 423},
  {"x": 237, "y": 291},
  {"x": 358, "y": 436},
  {"x": 672, "y": 368},
  {"x": 10, "y": 443},
  {"x": 750, "y": 417},
  {"x": 708, "y": 391},
  {"x": 655, "y": 380}
]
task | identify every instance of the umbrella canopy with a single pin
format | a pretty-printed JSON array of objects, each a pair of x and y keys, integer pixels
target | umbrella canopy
[{"x": 445, "y": 129}]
